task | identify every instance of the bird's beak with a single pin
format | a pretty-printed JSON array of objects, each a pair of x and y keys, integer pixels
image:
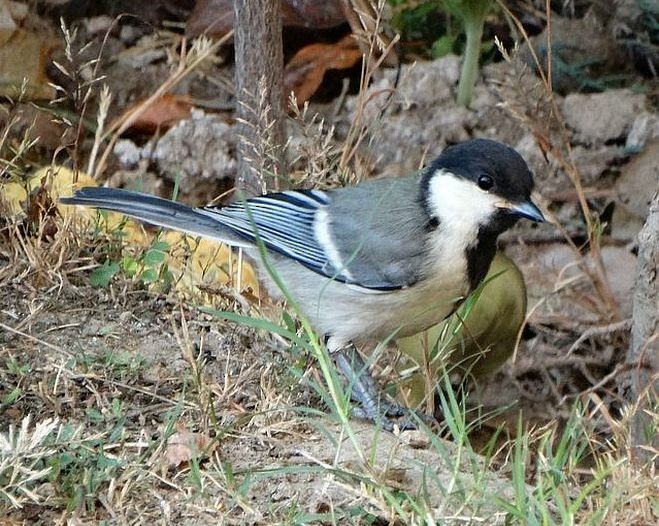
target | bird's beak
[{"x": 526, "y": 209}]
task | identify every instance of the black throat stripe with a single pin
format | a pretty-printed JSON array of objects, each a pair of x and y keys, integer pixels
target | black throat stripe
[{"x": 479, "y": 256}]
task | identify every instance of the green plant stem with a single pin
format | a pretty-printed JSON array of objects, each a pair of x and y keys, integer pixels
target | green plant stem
[{"x": 474, "y": 31}]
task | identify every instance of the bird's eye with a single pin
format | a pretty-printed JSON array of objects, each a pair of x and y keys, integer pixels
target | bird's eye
[{"x": 485, "y": 182}]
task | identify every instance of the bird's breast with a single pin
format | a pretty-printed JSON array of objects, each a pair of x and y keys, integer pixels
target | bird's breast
[{"x": 355, "y": 314}]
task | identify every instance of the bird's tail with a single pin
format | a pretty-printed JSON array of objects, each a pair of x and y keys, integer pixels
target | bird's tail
[{"x": 156, "y": 211}]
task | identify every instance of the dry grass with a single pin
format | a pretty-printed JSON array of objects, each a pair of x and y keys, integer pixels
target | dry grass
[
  {"x": 536, "y": 108},
  {"x": 118, "y": 377}
]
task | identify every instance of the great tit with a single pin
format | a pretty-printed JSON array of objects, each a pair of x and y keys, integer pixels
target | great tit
[{"x": 389, "y": 256}]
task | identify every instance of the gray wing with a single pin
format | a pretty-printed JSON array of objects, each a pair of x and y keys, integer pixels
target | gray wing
[
  {"x": 378, "y": 230},
  {"x": 370, "y": 236},
  {"x": 283, "y": 222}
]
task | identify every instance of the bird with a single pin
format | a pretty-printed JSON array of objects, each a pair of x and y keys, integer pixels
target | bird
[
  {"x": 474, "y": 342},
  {"x": 387, "y": 256}
]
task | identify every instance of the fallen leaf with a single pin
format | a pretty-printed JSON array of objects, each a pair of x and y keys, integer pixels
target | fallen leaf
[
  {"x": 215, "y": 17},
  {"x": 60, "y": 181},
  {"x": 305, "y": 71},
  {"x": 17, "y": 10},
  {"x": 161, "y": 114},
  {"x": 41, "y": 211},
  {"x": 184, "y": 446}
]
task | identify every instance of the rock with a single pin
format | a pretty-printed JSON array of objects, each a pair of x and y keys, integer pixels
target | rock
[
  {"x": 558, "y": 260},
  {"x": 128, "y": 153},
  {"x": 140, "y": 59},
  {"x": 633, "y": 24},
  {"x": 197, "y": 150},
  {"x": 582, "y": 53},
  {"x": 140, "y": 180},
  {"x": 601, "y": 117},
  {"x": 555, "y": 278},
  {"x": 644, "y": 128},
  {"x": 17, "y": 10},
  {"x": 422, "y": 118},
  {"x": 421, "y": 85},
  {"x": 426, "y": 83},
  {"x": 591, "y": 162},
  {"x": 143, "y": 53},
  {"x": 528, "y": 148},
  {"x": 639, "y": 180},
  {"x": 619, "y": 264},
  {"x": 98, "y": 25},
  {"x": 594, "y": 161},
  {"x": 559, "y": 265},
  {"x": 626, "y": 225},
  {"x": 129, "y": 34},
  {"x": 7, "y": 24}
]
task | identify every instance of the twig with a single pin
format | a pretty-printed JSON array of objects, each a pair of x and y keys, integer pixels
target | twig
[
  {"x": 597, "y": 275},
  {"x": 624, "y": 325},
  {"x": 36, "y": 340},
  {"x": 612, "y": 375},
  {"x": 183, "y": 69}
]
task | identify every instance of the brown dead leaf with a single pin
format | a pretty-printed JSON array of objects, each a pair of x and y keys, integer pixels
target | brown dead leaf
[
  {"x": 161, "y": 114},
  {"x": 215, "y": 17},
  {"x": 184, "y": 446},
  {"x": 305, "y": 71},
  {"x": 41, "y": 211}
]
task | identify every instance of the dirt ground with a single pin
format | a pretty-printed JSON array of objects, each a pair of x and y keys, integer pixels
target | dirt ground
[{"x": 128, "y": 366}]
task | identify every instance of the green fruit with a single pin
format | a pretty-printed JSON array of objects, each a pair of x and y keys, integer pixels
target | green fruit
[{"x": 476, "y": 348}]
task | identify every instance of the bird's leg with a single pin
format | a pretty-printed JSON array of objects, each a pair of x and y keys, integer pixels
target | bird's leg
[
  {"x": 373, "y": 405},
  {"x": 364, "y": 390}
]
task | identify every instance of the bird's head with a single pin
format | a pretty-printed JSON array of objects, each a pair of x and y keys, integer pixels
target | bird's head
[{"x": 480, "y": 184}]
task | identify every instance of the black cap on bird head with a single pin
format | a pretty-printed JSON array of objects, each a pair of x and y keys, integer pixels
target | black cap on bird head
[{"x": 474, "y": 159}]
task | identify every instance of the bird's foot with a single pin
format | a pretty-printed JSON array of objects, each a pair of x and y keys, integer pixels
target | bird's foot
[
  {"x": 392, "y": 416},
  {"x": 373, "y": 405}
]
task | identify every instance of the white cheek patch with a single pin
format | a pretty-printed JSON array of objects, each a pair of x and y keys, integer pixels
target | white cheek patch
[{"x": 460, "y": 205}]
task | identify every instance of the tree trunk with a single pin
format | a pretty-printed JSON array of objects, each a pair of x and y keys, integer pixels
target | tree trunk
[
  {"x": 643, "y": 355},
  {"x": 259, "y": 92}
]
